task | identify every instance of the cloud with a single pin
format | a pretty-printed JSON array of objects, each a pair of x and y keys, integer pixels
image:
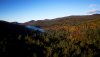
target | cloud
[
  {"x": 95, "y": 11},
  {"x": 93, "y": 5}
]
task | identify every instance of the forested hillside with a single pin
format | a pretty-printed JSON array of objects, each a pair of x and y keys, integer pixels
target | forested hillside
[{"x": 73, "y": 36}]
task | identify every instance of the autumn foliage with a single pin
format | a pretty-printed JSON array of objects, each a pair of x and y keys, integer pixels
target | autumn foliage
[{"x": 74, "y": 36}]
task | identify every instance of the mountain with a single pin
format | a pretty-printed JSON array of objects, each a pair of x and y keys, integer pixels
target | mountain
[
  {"x": 11, "y": 28},
  {"x": 69, "y": 20},
  {"x": 72, "y": 36},
  {"x": 14, "y": 40}
]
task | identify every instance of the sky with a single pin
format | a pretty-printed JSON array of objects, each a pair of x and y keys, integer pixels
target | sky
[{"x": 26, "y": 10}]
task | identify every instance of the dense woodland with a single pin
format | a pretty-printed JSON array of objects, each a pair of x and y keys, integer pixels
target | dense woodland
[{"x": 73, "y": 36}]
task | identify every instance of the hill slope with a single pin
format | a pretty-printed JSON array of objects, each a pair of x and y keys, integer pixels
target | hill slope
[
  {"x": 14, "y": 41},
  {"x": 73, "y": 36},
  {"x": 70, "y": 20}
]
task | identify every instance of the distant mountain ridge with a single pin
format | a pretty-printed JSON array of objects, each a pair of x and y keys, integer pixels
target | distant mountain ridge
[
  {"x": 17, "y": 28},
  {"x": 72, "y": 36},
  {"x": 67, "y": 20}
]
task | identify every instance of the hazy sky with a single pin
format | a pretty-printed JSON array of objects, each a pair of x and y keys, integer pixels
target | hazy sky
[{"x": 26, "y": 10}]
